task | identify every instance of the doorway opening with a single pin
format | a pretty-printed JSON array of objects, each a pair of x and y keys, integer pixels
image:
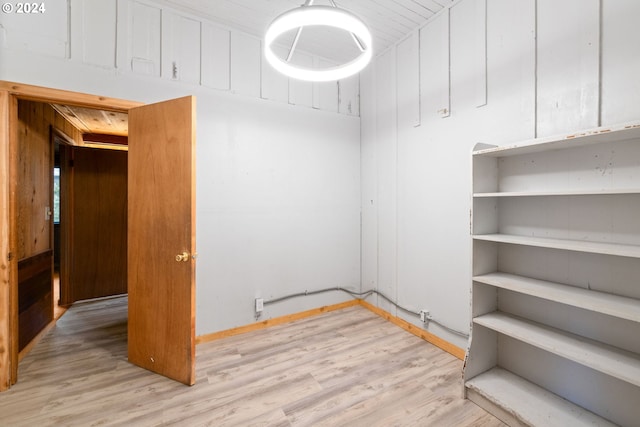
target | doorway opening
[
  {"x": 79, "y": 245},
  {"x": 161, "y": 291},
  {"x": 58, "y": 310}
]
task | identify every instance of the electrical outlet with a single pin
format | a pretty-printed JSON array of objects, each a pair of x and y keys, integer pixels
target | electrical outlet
[
  {"x": 425, "y": 316},
  {"x": 259, "y": 305}
]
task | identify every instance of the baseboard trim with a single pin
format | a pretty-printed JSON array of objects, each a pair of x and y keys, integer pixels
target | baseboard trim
[
  {"x": 407, "y": 326},
  {"x": 274, "y": 321},
  {"x": 27, "y": 348},
  {"x": 410, "y": 327}
]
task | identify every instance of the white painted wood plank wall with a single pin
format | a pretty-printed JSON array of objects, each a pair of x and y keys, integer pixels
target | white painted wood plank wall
[
  {"x": 154, "y": 40},
  {"x": 506, "y": 71},
  {"x": 278, "y": 184}
]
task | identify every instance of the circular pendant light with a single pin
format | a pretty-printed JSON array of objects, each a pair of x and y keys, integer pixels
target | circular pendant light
[{"x": 329, "y": 16}]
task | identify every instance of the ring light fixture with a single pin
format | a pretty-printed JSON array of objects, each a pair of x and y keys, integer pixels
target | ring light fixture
[{"x": 309, "y": 15}]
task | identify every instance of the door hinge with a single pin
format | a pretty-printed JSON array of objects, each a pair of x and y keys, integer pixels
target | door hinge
[{"x": 9, "y": 256}]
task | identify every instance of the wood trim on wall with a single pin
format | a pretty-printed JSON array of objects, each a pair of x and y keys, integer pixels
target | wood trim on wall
[
  {"x": 407, "y": 326},
  {"x": 274, "y": 321},
  {"x": 67, "y": 201},
  {"x": 44, "y": 94},
  {"x": 12, "y": 184},
  {"x": 35, "y": 340},
  {"x": 5, "y": 247},
  {"x": 419, "y": 332}
]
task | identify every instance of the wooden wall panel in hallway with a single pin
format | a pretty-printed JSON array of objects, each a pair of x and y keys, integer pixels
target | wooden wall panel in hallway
[
  {"x": 34, "y": 223},
  {"x": 99, "y": 242}
]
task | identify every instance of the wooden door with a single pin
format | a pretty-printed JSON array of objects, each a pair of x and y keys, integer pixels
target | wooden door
[{"x": 161, "y": 238}]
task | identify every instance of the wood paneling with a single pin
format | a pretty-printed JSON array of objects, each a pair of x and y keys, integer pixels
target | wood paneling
[
  {"x": 47, "y": 34},
  {"x": 568, "y": 39},
  {"x": 216, "y": 56},
  {"x": 101, "y": 138},
  {"x": 59, "y": 122},
  {"x": 33, "y": 232},
  {"x": 92, "y": 120},
  {"x": 388, "y": 20},
  {"x": 35, "y": 163},
  {"x": 9, "y": 148},
  {"x": 95, "y": 40},
  {"x": 99, "y": 230},
  {"x": 145, "y": 46},
  {"x": 181, "y": 48},
  {"x": 35, "y": 303},
  {"x": 408, "y": 81},
  {"x": 34, "y": 180},
  {"x": 245, "y": 64}
]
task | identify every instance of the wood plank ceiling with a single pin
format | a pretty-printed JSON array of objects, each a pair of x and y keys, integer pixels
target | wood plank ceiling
[
  {"x": 90, "y": 120},
  {"x": 389, "y": 21}
]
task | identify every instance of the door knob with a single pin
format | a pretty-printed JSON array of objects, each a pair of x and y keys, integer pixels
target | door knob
[{"x": 184, "y": 256}]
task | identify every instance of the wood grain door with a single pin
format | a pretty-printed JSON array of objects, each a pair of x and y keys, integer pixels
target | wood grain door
[{"x": 161, "y": 238}]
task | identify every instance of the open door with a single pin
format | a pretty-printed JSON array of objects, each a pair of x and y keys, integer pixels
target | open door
[{"x": 161, "y": 238}]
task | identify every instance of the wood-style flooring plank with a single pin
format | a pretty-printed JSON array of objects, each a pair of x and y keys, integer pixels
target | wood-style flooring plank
[{"x": 346, "y": 367}]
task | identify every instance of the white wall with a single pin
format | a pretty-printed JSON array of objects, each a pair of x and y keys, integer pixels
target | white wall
[
  {"x": 278, "y": 179},
  {"x": 492, "y": 71},
  {"x": 280, "y": 165}
]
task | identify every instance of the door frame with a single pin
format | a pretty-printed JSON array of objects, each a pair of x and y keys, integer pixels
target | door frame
[
  {"x": 66, "y": 220},
  {"x": 10, "y": 93}
]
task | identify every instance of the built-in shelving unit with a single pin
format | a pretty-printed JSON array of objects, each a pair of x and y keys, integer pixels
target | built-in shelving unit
[{"x": 555, "y": 335}]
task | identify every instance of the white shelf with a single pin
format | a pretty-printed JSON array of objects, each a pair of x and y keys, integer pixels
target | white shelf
[
  {"x": 524, "y": 402},
  {"x": 589, "y": 137},
  {"x": 601, "y": 302},
  {"x": 612, "y": 361},
  {"x": 567, "y": 245},
  {"x": 553, "y": 193},
  {"x": 557, "y": 193}
]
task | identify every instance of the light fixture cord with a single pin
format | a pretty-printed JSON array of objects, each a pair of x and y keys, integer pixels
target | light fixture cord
[
  {"x": 297, "y": 37},
  {"x": 295, "y": 40}
]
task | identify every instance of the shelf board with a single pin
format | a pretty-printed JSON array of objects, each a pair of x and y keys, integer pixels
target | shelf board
[
  {"x": 526, "y": 403},
  {"x": 600, "y": 302},
  {"x": 599, "y": 135},
  {"x": 557, "y": 193},
  {"x": 609, "y": 360},
  {"x": 616, "y": 249}
]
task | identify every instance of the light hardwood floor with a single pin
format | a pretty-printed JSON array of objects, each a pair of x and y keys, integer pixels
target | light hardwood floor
[{"x": 343, "y": 368}]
